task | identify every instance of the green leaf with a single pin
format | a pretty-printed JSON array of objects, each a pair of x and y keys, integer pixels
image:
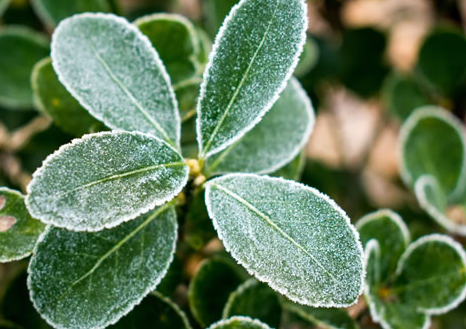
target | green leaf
[
  {"x": 119, "y": 80},
  {"x": 3, "y": 6},
  {"x": 308, "y": 59},
  {"x": 424, "y": 153},
  {"x": 91, "y": 280},
  {"x": 172, "y": 279},
  {"x": 239, "y": 322},
  {"x": 215, "y": 12},
  {"x": 256, "y": 300},
  {"x": 175, "y": 40},
  {"x": 18, "y": 230},
  {"x": 51, "y": 12},
  {"x": 391, "y": 234},
  {"x": 104, "y": 179},
  {"x": 253, "y": 57},
  {"x": 432, "y": 275},
  {"x": 441, "y": 61},
  {"x": 54, "y": 100},
  {"x": 205, "y": 47},
  {"x": 155, "y": 311},
  {"x": 206, "y": 299},
  {"x": 186, "y": 94},
  {"x": 328, "y": 318},
  {"x": 294, "y": 169},
  {"x": 21, "y": 49},
  {"x": 263, "y": 220},
  {"x": 402, "y": 95},
  {"x": 433, "y": 200},
  {"x": 262, "y": 149}
]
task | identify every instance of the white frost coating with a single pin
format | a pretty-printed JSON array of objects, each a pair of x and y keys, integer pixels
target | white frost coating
[
  {"x": 420, "y": 186},
  {"x": 251, "y": 119},
  {"x": 134, "y": 92},
  {"x": 262, "y": 150},
  {"x": 251, "y": 323},
  {"x": 177, "y": 309},
  {"x": 440, "y": 238},
  {"x": 393, "y": 216},
  {"x": 410, "y": 124},
  {"x": 106, "y": 156},
  {"x": 132, "y": 300},
  {"x": 260, "y": 252}
]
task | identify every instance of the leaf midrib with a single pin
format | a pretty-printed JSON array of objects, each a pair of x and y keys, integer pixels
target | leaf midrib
[
  {"x": 117, "y": 247},
  {"x": 239, "y": 87},
  {"x": 269, "y": 221}
]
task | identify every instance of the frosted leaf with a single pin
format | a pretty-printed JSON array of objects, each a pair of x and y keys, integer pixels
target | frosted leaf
[
  {"x": 175, "y": 40},
  {"x": 18, "y": 230},
  {"x": 254, "y": 55},
  {"x": 158, "y": 311},
  {"x": 263, "y": 149},
  {"x": 290, "y": 236},
  {"x": 55, "y": 101},
  {"x": 111, "y": 68},
  {"x": 90, "y": 280},
  {"x": 256, "y": 300},
  {"x": 51, "y": 12},
  {"x": 104, "y": 179},
  {"x": 423, "y": 152},
  {"x": 431, "y": 274},
  {"x": 391, "y": 234},
  {"x": 328, "y": 318},
  {"x": 20, "y": 49},
  {"x": 239, "y": 322}
]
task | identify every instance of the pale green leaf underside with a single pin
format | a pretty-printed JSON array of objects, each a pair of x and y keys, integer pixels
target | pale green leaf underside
[
  {"x": 52, "y": 12},
  {"x": 55, "y": 101},
  {"x": 290, "y": 236},
  {"x": 328, "y": 318},
  {"x": 21, "y": 48},
  {"x": 239, "y": 322},
  {"x": 18, "y": 230},
  {"x": 104, "y": 179},
  {"x": 90, "y": 280},
  {"x": 111, "y": 68},
  {"x": 274, "y": 141},
  {"x": 423, "y": 152},
  {"x": 254, "y": 55}
]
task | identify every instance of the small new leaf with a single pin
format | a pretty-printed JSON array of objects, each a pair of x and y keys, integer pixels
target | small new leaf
[
  {"x": 18, "y": 230},
  {"x": 104, "y": 179},
  {"x": 111, "y": 68},
  {"x": 263, "y": 150},
  {"x": 239, "y": 322},
  {"x": 90, "y": 280},
  {"x": 254, "y": 55},
  {"x": 262, "y": 221}
]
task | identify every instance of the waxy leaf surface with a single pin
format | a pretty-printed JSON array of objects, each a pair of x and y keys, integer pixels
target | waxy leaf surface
[
  {"x": 290, "y": 236},
  {"x": 252, "y": 59},
  {"x": 104, "y": 179},
  {"x": 90, "y": 280},
  {"x": 111, "y": 68}
]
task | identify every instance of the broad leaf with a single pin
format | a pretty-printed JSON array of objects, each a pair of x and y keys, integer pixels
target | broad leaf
[
  {"x": 175, "y": 40},
  {"x": 424, "y": 153},
  {"x": 263, "y": 149},
  {"x": 54, "y": 100},
  {"x": 264, "y": 220},
  {"x": 433, "y": 200},
  {"x": 21, "y": 49},
  {"x": 294, "y": 169},
  {"x": 206, "y": 298},
  {"x": 18, "y": 230},
  {"x": 51, "y": 12},
  {"x": 91, "y": 280},
  {"x": 155, "y": 311},
  {"x": 252, "y": 59},
  {"x": 328, "y": 318},
  {"x": 120, "y": 81},
  {"x": 391, "y": 234},
  {"x": 432, "y": 275},
  {"x": 104, "y": 179},
  {"x": 256, "y": 300},
  {"x": 239, "y": 322}
]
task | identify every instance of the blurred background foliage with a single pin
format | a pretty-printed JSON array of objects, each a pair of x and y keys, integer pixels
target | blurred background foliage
[{"x": 367, "y": 65}]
